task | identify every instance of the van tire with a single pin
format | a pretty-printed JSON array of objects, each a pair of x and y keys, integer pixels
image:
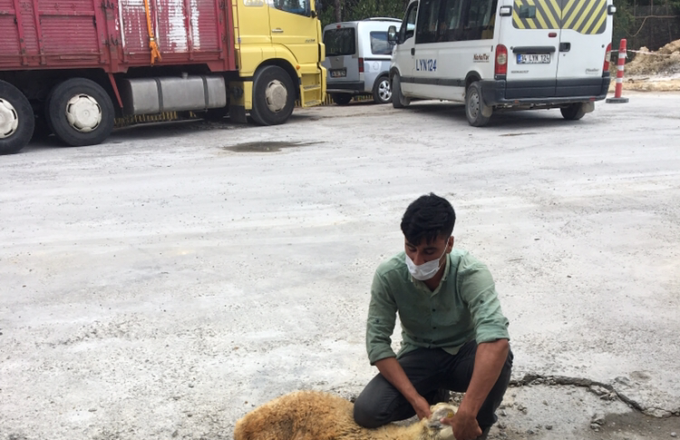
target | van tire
[
  {"x": 398, "y": 100},
  {"x": 382, "y": 91},
  {"x": 478, "y": 114},
  {"x": 341, "y": 98},
  {"x": 573, "y": 112},
  {"x": 88, "y": 94},
  {"x": 18, "y": 121},
  {"x": 268, "y": 81}
]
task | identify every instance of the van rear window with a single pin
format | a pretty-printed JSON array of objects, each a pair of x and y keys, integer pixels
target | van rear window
[{"x": 340, "y": 42}]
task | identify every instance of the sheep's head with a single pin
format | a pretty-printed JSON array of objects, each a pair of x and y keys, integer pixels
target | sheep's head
[{"x": 437, "y": 430}]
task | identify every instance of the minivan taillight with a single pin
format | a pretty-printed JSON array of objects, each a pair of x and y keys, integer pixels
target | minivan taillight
[
  {"x": 361, "y": 65},
  {"x": 607, "y": 58},
  {"x": 501, "y": 60}
]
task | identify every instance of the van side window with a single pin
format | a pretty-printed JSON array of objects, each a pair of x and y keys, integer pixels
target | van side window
[
  {"x": 428, "y": 21},
  {"x": 409, "y": 23},
  {"x": 379, "y": 44},
  {"x": 300, "y": 7},
  {"x": 468, "y": 20}
]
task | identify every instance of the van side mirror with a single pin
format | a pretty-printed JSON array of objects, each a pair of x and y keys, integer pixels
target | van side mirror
[{"x": 392, "y": 35}]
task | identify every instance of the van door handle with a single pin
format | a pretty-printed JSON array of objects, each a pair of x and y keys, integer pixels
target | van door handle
[
  {"x": 565, "y": 47},
  {"x": 413, "y": 51},
  {"x": 277, "y": 31}
]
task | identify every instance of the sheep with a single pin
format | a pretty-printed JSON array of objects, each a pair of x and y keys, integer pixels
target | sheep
[{"x": 315, "y": 415}]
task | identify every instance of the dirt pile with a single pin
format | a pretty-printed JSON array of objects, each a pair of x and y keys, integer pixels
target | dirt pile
[
  {"x": 665, "y": 61},
  {"x": 657, "y": 71}
]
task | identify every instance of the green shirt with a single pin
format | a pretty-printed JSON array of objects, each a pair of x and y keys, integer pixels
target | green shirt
[{"x": 463, "y": 307}]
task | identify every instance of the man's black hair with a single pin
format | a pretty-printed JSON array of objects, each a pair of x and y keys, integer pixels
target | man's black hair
[{"x": 428, "y": 217}]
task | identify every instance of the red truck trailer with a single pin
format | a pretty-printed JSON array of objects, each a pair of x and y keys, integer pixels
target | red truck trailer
[{"x": 77, "y": 64}]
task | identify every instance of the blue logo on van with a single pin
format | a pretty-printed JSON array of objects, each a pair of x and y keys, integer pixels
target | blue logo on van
[{"x": 426, "y": 65}]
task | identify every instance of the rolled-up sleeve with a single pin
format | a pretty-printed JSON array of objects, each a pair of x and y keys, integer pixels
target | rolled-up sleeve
[
  {"x": 382, "y": 312},
  {"x": 478, "y": 290}
]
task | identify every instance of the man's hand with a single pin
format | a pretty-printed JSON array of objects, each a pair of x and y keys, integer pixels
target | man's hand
[
  {"x": 464, "y": 425},
  {"x": 421, "y": 407},
  {"x": 392, "y": 371}
]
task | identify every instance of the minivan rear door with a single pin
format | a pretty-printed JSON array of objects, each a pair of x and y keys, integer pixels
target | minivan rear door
[
  {"x": 531, "y": 36},
  {"x": 341, "y": 60},
  {"x": 586, "y": 32}
]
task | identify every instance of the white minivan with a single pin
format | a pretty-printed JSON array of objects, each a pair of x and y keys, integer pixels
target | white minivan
[
  {"x": 358, "y": 59},
  {"x": 497, "y": 54}
]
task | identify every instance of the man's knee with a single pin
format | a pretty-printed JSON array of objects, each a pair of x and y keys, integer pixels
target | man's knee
[
  {"x": 506, "y": 371},
  {"x": 366, "y": 415}
]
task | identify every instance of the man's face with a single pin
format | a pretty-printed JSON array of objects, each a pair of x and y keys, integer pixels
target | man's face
[{"x": 424, "y": 251}]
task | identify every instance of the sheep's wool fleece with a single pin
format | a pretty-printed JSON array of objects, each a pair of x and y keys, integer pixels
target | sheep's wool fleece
[{"x": 313, "y": 415}]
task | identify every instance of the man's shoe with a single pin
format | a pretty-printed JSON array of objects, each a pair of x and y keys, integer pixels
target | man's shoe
[{"x": 485, "y": 433}]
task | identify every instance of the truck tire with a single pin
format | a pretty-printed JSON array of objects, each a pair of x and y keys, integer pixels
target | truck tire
[
  {"x": 341, "y": 98},
  {"x": 382, "y": 92},
  {"x": 573, "y": 112},
  {"x": 478, "y": 114},
  {"x": 398, "y": 100},
  {"x": 80, "y": 112},
  {"x": 273, "y": 96},
  {"x": 17, "y": 121}
]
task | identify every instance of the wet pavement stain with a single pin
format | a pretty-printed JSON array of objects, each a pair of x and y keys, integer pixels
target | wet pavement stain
[
  {"x": 266, "y": 147},
  {"x": 517, "y": 134}
]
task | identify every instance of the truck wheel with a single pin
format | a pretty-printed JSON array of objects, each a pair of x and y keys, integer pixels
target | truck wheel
[
  {"x": 341, "y": 98},
  {"x": 573, "y": 112},
  {"x": 398, "y": 100},
  {"x": 478, "y": 114},
  {"x": 273, "y": 96},
  {"x": 80, "y": 112},
  {"x": 17, "y": 121},
  {"x": 382, "y": 92}
]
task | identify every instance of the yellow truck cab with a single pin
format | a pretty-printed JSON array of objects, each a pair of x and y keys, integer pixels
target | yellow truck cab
[{"x": 279, "y": 49}]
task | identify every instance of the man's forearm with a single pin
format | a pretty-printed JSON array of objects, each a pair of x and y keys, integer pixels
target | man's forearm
[
  {"x": 392, "y": 371},
  {"x": 489, "y": 362}
]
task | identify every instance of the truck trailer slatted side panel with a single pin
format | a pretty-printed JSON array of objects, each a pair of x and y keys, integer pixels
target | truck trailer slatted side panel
[{"x": 114, "y": 36}]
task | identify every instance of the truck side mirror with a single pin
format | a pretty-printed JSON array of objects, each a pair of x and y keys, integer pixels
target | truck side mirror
[{"x": 392, "y": 34}]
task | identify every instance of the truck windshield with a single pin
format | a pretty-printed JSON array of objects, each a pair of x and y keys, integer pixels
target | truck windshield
[
  {"x": 300, "y": 7},
  {"x": 340, "y": 42}
]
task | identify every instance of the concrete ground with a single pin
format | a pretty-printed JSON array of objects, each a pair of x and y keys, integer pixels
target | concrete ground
[{"x": 163, "y": 284}]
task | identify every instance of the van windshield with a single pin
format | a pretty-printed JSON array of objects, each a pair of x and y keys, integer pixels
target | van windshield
[{"x": 340, "y": 42}]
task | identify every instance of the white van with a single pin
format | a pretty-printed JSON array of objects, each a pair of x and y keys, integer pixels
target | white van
[
  {"x": 358, "y": 59},
  {"x": 496, "y": 54}
]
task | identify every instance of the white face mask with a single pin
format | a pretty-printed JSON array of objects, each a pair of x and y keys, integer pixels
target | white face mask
[{"x": 426, "y": 270}]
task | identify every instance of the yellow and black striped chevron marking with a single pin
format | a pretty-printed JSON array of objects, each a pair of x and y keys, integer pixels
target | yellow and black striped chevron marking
[
  {"x": 584, "y": 16},
  {"x": 537, "y": 14}
]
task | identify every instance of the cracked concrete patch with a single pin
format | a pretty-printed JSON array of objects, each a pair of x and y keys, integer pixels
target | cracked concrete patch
[{"x": 573, "y": 412}]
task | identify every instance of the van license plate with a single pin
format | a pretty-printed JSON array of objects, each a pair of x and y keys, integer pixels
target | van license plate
[
  {"x": 338, "y": 73},
  {"x": 535, "y": 58}
]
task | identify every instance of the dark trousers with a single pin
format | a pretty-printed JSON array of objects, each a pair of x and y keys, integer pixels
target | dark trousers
[{"x": 430, "y": 370}]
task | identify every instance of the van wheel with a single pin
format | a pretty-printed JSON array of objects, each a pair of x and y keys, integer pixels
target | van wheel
[
  {"x": 478, "y": 114},
  {"x": 341, "y": 98},
  {"x": 573, "y": 112},
  {"x": 382, "y": 92},
  {"x": 17, "y": 121},
  {"x": 80, "y": 112},
  {"x": 273, "y": 96},
  {"x": 398, "y": 100}
]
